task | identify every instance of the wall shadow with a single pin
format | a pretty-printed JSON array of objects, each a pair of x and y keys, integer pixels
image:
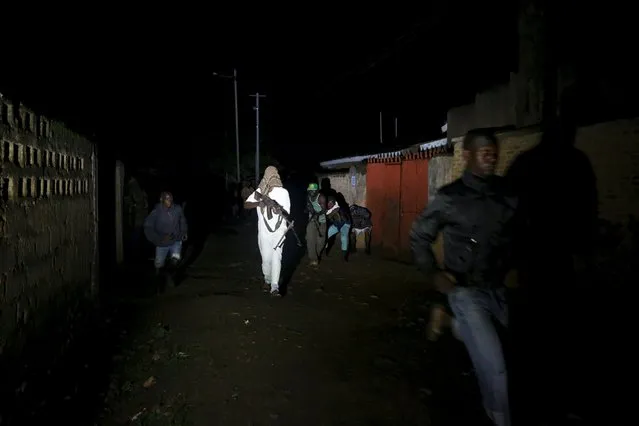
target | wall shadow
[
  {"x": 326, "y": 188},
  {"x": 556, "y": 186}
]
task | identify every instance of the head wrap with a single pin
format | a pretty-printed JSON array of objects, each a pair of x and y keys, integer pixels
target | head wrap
[{"x": 270, "y": 180}]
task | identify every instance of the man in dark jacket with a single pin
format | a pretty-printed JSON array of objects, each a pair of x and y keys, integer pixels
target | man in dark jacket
[
  {"x": 476, "y": 215},
  {"x": 166, "y": 228}
]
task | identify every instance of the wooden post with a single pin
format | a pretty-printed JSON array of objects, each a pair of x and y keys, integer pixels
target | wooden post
[{"x": 119, "y": 214}]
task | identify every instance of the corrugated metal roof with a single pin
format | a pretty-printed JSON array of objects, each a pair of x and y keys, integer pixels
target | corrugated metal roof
[{"x": 341, "y": 162}]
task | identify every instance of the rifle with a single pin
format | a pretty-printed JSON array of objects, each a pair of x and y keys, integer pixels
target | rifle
[
  {"x": 315, "y": 214},
  {"x": 315, "y": 219},
  {"x": 273, "y": 206}
]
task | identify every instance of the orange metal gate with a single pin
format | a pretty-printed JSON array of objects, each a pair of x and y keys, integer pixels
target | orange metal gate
[
  {"x": 382, "y": 199},
  {"x": 375, "y": 199},
  {"x": 414, "y": 197},
  {"x": 396, "y": 193}
]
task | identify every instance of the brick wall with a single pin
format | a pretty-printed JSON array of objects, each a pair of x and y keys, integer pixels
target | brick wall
[
  {"x": 341, "y": 181},
  {"x": 613, "y": 150},
  {"x": 47, "y": 223},
  {"x": 439, "y": 173}
]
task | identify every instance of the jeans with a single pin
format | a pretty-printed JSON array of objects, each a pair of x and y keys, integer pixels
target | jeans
[
  {"x": 161, "y": 253},
  {"x": 475, "y": 310},
  {"x": 343, "y": 233}
]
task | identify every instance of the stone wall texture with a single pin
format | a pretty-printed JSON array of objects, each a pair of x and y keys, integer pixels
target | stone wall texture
[
  {"x": 439, "y": 173},
  {"x": 613, "y": 150},
  {"x": 342, "y": 181},
  {"x": 48, "y": 221}
]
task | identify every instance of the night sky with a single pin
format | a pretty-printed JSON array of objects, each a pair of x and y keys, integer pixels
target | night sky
[{"x": 140, "y": 81}]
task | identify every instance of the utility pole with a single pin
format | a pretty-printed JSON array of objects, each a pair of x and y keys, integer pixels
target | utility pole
[
  {"x": 381, "y": 139},
  {"x": 237, "y": 127},
  {"x": 395, "y": 127},
  {"x": 257, "y": 97},
  {"x": 237, "y": 122}
]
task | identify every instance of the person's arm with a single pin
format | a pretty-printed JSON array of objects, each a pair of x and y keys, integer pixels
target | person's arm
[
  {"x": 424, "y": 233},
  {"x": 251, "y": 202},
  {"x": 149, "y": 228}
]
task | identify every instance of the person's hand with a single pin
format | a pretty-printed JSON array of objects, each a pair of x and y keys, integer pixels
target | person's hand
[
  {"x": 444, "y": 282},
  {"x": 166, "y": 238}
]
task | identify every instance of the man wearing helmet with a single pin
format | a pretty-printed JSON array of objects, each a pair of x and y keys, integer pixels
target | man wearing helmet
[{"x": 316, "y": 228}]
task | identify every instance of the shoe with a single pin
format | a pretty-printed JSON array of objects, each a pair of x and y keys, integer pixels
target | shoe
[
  {"x": 345, "y": 253},
  {"x": 313, "y": 263},
  {"x": 275, "y": 293},
  {"x": 439, "y": 319}
]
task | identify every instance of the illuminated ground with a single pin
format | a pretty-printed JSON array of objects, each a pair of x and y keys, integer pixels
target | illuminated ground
[{"x": 345, "y": 346}]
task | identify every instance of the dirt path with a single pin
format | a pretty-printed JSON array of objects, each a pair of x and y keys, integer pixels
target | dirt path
[{"x": 339, "y": 349}]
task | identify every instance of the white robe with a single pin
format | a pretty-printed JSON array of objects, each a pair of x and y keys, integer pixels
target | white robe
[{"x": 266, "y": 240}]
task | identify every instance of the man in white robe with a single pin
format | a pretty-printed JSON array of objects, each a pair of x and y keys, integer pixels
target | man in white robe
[{"x": 271, "y": 225}]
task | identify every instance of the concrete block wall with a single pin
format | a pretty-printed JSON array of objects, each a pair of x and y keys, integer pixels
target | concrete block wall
[
  {"x": 342, "y": 181},
  {"x": 439, "y": 173},
  {"x": 47, "y": 220},
  {"x": 613, "y": 150}
]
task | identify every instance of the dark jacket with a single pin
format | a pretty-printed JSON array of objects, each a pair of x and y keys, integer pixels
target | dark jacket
[
  {"x": 163, "y": 222},
  {"x": 361, "y": 217},
  {"x": 478, "y": 220}
]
